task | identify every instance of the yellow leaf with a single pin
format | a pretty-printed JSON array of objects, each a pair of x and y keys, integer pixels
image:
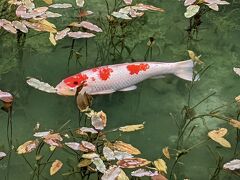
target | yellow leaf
[
  {"x": 48, "y": 1},
  {"x": 122, "y": 176},
  {"x": 217, "y": 136},
  {"x": 194, "y": 57},
  {"x": 237, "y": 99},
  {"x": 47, "y": 23},
  {"x": 131, "y": 128},
  {"x": 165, "y": 151},
  {"x": 234, "y": 123},
  {"x": 84, "y": 163},
  {"x": 56, "y": 166},
  {"x": 52, "y": 39},
  {"x": 122, "y": 146},
  {"x": 160, "y": 165}
]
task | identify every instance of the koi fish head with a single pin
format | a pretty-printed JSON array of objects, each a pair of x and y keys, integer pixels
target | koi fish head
[{"x": 68, "y": 86}]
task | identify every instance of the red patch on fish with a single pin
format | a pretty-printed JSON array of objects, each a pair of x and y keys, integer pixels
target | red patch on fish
[
  {"x": 104, "y": 73},
  {"x": 135, "y": 69},
  {"x": 75, "y": 80}
]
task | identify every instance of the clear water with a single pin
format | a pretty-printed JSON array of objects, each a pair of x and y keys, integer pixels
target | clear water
[{"x": 151, "y": 103}]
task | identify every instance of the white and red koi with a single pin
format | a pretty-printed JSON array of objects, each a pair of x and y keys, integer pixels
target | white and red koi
[{"x": 122, "y": 77}]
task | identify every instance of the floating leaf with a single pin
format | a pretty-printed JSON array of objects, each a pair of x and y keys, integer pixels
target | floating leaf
[
  {"x": 52, "y": 39},
  {"x": 80, "y": 3},
  {"x": 27, "y": 147},
  {"x": 234, "y": 123},
  {"x": 121, "y": 146},
  {"x": 191, "y": 11},
  {"x": 41, "y": 85},
  {"x": 112, "y": 173},
  {"x": 19, "y": 25},
  {"x": 53, "y": 139},
  {"x": 132, "y": 162},
  {"x": 119, "y": 155},
  {"x": 48, "y": 1},
  {"x": 121, "y": 15},
  {"x": 189, "y": 2},
  {"x": 88, "y": 130},
  {"x": 90, "y": 155},
  {"x": 90, "y": 26},
  {"x": 166, "y": 153},
  {"x": 41, "y": 134},
  {"x": 9, "y": 27},
  {"x": 56, "y": 166},
  {"x": 84, "y": 13},
  {"x": 84, "y": 163},
  {"x": 99, "y": 120},
  {"x": 161, "y": 165},
  {"x": 34, "y": 13},
  {"x": 122, "y": 176},
  {"x": 144, "y": 7},
  {"x": 237, "y": 99},
  {"x": 217, "y": 136},
  {"x": 89, "y": 146},
  {"x": 237, "y": 71},
  {"x": 61, "y": 6},
  {"x": 21, "y": 10},
  {"x": 6, "y": 97},
  {"x": 194, "y": 57},
  {"x": 108, "y": 153},
  {"x": 80, "y": 34},
  {"x": 99, "y": 164},
  {"x": 61, "y": 34},
  {"x": 50, "y": 14},
  {"x": 143, "y": 172},
  {"x": 128, "y": 2},
  {"x": 2, "y": 155},
  {"x": 158, "y": 177},
  {"x": 131, "y": 128},
  {"x": 73, "y": 145},
  {"x": 232, "y": 165},
  {"x": 213, "y": 7}
]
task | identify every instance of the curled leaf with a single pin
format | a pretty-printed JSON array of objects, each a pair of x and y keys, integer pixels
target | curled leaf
[
  {"x": 160, "y": 164},
  {"x": 99, "y": 120},
  {"x": 121, "y": 15},
  {"x": 41, "y": 85},
  {"x": 56, "y": 166},
  {"x": 53, "y": 139},
  {"x": 88, "y": 130},
  {"x": 89, "y": 146},
  {"x": 131, "y": 128},
  {"x": 166, "y": 153},
  {"x": 27, "y": 147},
  {"x": 121, "y": 146}
]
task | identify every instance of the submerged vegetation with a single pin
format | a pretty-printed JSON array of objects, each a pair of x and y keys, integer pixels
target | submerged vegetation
[{"x": 93, "y": 146}]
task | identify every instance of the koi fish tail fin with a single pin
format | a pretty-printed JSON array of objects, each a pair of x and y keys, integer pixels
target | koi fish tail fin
[{"x": 184, "y": 70}]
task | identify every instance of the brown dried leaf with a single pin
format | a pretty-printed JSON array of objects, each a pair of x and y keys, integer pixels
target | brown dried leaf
[
  {"x": 84, "y": 13},
  {"x": 27, "y": 147},
  {"x": 84, "y": 101},
  {"x": 160, "y": 164},
  {"x": 234, "y": 123},
  {"x": 133, "y": 162},
  {"x": 166, "y": 153},
  {"x": 131, "y": 128},
  {"x": 122, "y": 146},
  {"x": 56, "y": 166}
]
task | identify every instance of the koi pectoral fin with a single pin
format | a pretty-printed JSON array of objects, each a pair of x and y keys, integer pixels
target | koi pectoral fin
[{"x": 130, "y": 88}]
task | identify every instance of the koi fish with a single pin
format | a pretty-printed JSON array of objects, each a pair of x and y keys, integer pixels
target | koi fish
[{"x": 122, "y": 77}]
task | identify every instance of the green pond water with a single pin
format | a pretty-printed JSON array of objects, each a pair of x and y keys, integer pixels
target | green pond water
[{"x": 152, "y": 102}]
